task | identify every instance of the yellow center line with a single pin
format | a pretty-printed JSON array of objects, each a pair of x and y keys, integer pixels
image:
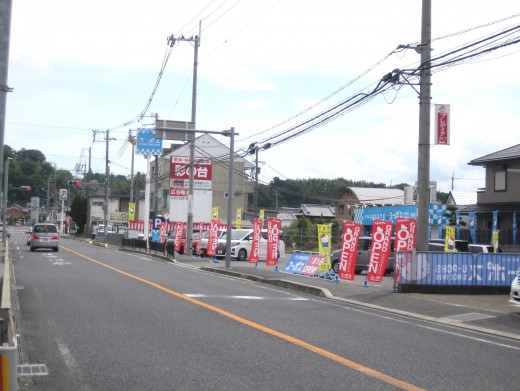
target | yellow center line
[{"x": 322, "y": 352}]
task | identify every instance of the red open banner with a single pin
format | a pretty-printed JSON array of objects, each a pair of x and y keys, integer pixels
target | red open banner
[
  {"x": 405, "y": 240},
  {"x": 273, "y": 237},
  {"x": 178, "y": 236},
  {"x": 213, "y": 237},
  {"x": 255, "y": 243},
  {"x": 380, "y": 248},
  {"x": 349, "y": 246}
]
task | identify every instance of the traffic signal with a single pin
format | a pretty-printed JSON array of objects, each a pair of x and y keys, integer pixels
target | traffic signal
[
  {"x": 25, "y": 188},
  {"x": 74, "y": 183}
]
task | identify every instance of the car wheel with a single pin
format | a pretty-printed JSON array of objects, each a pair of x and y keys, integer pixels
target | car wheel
[
  {"x": 335, "y": 266},
  {"x": 358, "y": 271},
  {"x": 242, "y": 255},
  {"x": 55, "y": 249},
  {"x": 32, "y": 248}
]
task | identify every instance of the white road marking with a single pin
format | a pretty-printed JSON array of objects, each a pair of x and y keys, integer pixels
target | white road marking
[{"x": 200, "y": 295}]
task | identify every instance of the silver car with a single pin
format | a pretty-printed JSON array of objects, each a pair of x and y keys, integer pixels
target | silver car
[{"x": 45, "y": 236}]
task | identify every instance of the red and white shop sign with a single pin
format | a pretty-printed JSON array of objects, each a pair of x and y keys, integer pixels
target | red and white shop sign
[{"x": 442, "y": 124}]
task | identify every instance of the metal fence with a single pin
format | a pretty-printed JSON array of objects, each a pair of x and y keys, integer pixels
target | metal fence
[
  {"x": 458, "y": 269},
  {"x": 164, "y": 249}
]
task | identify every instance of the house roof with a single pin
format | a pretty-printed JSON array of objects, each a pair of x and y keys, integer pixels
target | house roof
[
  {"x": 511, "y": 153},
  {"x": 462, "y": 198},
  {"x": 507, "y": 207},
  {"x": 378, "y": 196},
  {"x": 316, "y": 210}
]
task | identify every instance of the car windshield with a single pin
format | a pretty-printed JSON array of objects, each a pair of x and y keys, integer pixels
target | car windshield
[{"x": 45, "y": 229}]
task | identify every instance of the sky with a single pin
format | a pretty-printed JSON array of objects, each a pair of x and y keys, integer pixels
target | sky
[{"x": 80, "y": 69}]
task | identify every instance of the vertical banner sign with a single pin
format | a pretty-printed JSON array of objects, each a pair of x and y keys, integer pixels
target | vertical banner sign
[
  {"x": 514, "y": 228},
  {"x": 214, "y": 213},
  {"x": 213, "y": 237},
  {"x": 255, "y": 243},
  {"x": 131, "y": 211},
  {"x": 349, "y": 246},
  {"x": 449, "y": 242},
  {"x": 457, "y": 224},
  {"x": 162, "y": 232},
  {"x": 405, "y": 240},
  {"x": 495, "y": 241},
  {"x": 495, "y": 225},
  {"x": 324, "y": 234},
  {"x": 273, "y": 238},
  {"x": 442, "y": 124},
  {"x": 261, "y": 214},
  {"x": 238, "y": 218},
  {"x": 380, "y": 248},
  {"x": 472, "y": 217},
  {"x": 405, "y": 234},
  {"x": 178, "y": 236}
]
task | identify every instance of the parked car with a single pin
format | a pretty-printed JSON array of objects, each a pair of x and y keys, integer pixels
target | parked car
[
  {"x": 482, "y": 248},
  {"x": 241, "y": 240},
  {"x": 203, "y": 241},
  {"x": 362, "y": 257},
  {"x": 194, "y": 240},
  {"x": 99, "y": 231},
  {"x": 462, "y": 246},
  {"x": 45, "y": 236},
  {"x": 514, "y": 296}
]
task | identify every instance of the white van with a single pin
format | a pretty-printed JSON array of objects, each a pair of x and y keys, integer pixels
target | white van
[{"x": 241, "y": 240}]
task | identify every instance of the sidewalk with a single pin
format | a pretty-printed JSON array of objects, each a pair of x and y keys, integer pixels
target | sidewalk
[{"x": 491, "y": 314}]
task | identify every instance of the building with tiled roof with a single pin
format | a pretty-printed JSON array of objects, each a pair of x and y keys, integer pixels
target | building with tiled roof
[
  {"x": 462, "y": 198},
  {"x": 501, "y": 195},
  {"x": 357, "y": 197}
]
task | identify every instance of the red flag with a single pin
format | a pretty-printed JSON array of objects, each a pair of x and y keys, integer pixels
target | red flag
[
  {"x": 255, "y": 243},
  {"x": 380, "y": 248},
  {"x": 162, "y": 232},
  {"x": 349, "y": 246},
  {"x": 273, "y": 238},
  {"x": 405, "y": 240},
  {"x": 405, "y": 234},
  {"x": 213, "y": 237},
  {"x": 178, "y": 236}
]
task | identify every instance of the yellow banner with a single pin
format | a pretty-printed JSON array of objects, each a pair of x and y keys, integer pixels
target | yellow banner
[
  {"x": 238, "y": 218},
  {"x": 261, "y": 214},
  {"x": 214, "y": 213},
  {"x": 495, "y": 241},
  {"x": 324, "y": 244},
  {"x": 131, "y": 211},
  {"x": 449, "y": 243}
]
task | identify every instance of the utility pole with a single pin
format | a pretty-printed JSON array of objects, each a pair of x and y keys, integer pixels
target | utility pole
[
  {"x": 255, "y": 208},
  {"x": 196, "y": 44},
  {"x": 423, "y": 173},
  {"x": 107, "y": 187},
  {"x": 132, "y": 141},
  {"x": 5, "y": 34},
  {"x": 253, "y": 148}
]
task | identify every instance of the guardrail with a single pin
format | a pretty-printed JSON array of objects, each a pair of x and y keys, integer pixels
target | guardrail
[{"x": 8, "y": 342}]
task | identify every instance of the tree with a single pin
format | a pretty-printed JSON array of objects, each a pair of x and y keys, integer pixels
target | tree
[
  {"x": 78, "y": 212},
  {"x": 451, "y": 215}
]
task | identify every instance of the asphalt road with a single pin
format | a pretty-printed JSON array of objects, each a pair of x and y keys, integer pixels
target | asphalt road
[{"x": 101, "y": 319}]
